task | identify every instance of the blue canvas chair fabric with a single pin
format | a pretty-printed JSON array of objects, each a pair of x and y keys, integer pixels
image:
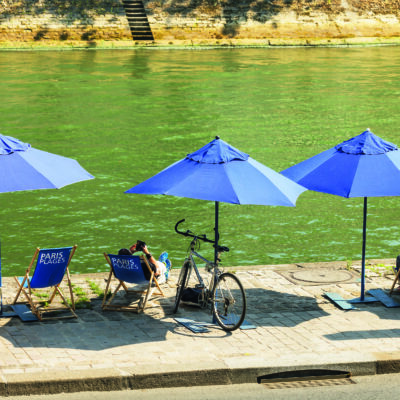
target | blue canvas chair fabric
[
  {"x": 129, "y": 269},
  {"x": 51, "y": 268}
]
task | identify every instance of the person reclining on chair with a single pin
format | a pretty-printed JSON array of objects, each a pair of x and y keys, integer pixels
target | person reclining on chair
[{"x": 160, "y": 267}]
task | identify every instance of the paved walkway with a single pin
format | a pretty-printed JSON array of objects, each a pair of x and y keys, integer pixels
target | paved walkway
[{"x": 296, "y": 328}]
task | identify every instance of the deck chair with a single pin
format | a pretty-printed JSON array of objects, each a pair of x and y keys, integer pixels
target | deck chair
[
  {"x": 396, "y": 274},
  {"x": 128, "y": 269},
  {"x": 51, "y": 267}
]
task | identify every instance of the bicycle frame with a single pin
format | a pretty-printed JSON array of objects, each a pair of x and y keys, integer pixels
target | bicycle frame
[
  {"x": 194, "y": 265},
  {"x": 209, "y": 264},
  {"x": 225, "y": 295}
]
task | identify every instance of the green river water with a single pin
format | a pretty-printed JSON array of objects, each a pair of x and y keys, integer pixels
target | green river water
[{"x": 127, "y": 114}]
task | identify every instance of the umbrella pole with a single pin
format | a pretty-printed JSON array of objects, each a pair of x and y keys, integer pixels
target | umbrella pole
[
  {"x": 216, "y": 232},
  {"x": 363, "y": 250},
  {"x": 362, "y": 298},
  {"x": 216, "y": 238}
]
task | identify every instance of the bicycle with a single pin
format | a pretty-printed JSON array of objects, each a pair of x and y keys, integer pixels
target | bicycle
[{"x": 224, "y": 295}]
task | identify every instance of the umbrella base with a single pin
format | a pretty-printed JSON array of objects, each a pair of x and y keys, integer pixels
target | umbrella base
[
  {"x": 386, "y": 300},
  {"x": 340, "y": 301},
  {"x": 358, "y": 300}
]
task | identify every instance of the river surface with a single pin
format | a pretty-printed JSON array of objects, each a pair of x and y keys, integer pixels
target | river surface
[{"x": 127, "y": 114}]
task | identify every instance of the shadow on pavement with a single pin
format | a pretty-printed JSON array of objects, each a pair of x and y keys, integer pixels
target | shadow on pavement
[
  {"x": 91, "y": 331},
  {"x": 96, "y": 330},
  {"x": 369, "y": 334},
  {"x": 264, "y": 308},
  {"x": 99, "y": 330},
  {"x": 271, "y": 308}
]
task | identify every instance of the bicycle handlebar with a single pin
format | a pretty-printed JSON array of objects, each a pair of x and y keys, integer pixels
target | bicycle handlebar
[{"x": 204, "y": 238}]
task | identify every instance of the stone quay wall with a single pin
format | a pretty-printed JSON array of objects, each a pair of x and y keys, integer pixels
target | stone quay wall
[
  {"x": 63, "y": 20},
  {"x": 194, "y": 20},
  {"x": 269, "y": 19}
]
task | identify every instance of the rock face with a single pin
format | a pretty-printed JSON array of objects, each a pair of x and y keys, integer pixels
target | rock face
[{"x": 193, "y": 20}]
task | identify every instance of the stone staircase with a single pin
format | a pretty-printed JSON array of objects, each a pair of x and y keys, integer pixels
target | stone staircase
[{"x": 137, "y": 19}]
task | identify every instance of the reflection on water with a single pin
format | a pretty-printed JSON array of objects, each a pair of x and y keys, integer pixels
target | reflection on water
[{"x": 126, "y": 115}]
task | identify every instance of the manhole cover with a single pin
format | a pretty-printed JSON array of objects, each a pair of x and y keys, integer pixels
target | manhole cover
[{"x": 325, "y": 276}]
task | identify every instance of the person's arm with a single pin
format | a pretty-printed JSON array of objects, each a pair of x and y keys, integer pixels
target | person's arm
[
  {"x": 133, "y": 248},
  {"x": 151, "y": 259}
]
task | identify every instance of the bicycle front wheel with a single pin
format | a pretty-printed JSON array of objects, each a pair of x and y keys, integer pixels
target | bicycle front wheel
[
  {"x": 229, "y": 302},
  {"x": 182, "y": 284}
]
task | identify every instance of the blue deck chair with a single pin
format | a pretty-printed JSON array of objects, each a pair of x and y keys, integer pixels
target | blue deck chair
[
  {"x": 51, "y": 267},
  {"x": 128, "y": 269}
]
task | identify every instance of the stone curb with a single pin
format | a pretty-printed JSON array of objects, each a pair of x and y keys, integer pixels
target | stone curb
[
  {"x": 75, "y": 381},
  {"x": 199, "y": 43}
]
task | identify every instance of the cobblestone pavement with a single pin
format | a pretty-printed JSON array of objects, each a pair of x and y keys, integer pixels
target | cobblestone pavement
[{"x": 296, "y": 327}]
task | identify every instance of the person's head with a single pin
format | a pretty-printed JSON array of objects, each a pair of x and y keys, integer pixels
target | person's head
[{"x": 124, "y": 252}]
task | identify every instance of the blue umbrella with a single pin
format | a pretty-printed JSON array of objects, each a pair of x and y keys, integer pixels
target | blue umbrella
[
  {"x": 219, "y": 172},
  {"x": 364, "y": 166},
  {"x": 26, "y": 168}
]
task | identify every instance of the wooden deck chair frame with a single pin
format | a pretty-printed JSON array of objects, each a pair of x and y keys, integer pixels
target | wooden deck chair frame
[
  {"x": 146, "y": 293},
  {"x": 397, "y": 274},
  {"x": 36, "y": 306}
]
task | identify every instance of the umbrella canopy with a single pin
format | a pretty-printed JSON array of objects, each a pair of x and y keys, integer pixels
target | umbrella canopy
[
  {"x": 364, "y": 166},
  {"x": 221, "y": 173},
  {"x": 26, "y": 168}
]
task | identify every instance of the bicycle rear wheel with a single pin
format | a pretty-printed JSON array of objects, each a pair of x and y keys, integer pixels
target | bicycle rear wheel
[
  {"x": 229, "y": 302},
  {"x": 182, "y": 283}
]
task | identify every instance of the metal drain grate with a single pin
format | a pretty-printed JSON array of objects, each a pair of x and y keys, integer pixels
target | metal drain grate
[
  {"x": 307, "y": 383},
  {"x": 305, "y": 378}
]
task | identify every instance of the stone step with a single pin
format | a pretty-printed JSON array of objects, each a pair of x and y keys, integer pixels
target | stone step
[
  {"x": 148, "y": 38},
  {"x": 137, "y": 3},
  {"x": 142, "y": 30},
  {"x": 136, "y": 15},
  {"x": 139, "y": 35},
  {"x": 134, "y": 9},
  {"x": 143, "y": 16},
  {"x": 137, "y": 20},
  {"x": 140, "y": 24}
]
